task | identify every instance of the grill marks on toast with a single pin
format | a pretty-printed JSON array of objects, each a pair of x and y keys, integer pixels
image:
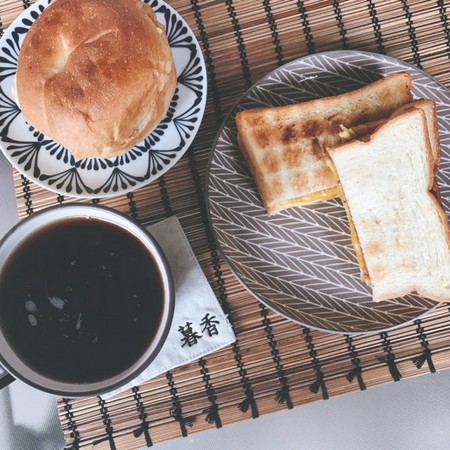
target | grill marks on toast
[{"x": 284, "y": 146}]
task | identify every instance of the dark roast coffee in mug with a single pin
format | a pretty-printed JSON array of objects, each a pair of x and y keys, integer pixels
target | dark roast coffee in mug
[{"x": 81, "y": 300}]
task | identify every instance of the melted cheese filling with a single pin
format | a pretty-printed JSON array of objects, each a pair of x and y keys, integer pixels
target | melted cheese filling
[
  {"x": 353, "y": 234},
  {"x": 326, "y": 194},
  {"x": 355, "y": 242}
]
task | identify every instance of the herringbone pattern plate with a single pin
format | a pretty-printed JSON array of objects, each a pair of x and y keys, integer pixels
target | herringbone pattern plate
[{"x": 300, "y": 262}]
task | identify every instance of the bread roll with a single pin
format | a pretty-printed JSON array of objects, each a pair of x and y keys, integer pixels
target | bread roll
[{"x": 96, "y": 76}]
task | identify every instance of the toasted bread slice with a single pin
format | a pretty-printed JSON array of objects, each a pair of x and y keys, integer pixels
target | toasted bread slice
[
  {"x": 284, "y": 146},
  {"x": 363, "y": 132},
  {"x": 401, "y": 225}
]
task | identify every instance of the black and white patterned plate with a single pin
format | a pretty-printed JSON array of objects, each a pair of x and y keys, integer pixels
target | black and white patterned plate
[
  {"x": 301, "y": 262},
  {"x": 54, "y": 167}
]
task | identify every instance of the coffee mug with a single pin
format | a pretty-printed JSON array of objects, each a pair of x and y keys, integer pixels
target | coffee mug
[{"x": 86, "y": 300}]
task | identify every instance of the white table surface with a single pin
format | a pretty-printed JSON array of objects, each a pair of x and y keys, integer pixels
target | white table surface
[{"x": 412, "y": 414}]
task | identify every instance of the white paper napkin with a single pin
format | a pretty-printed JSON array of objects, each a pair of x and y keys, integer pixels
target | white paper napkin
[{"x": 199, "y": 325}]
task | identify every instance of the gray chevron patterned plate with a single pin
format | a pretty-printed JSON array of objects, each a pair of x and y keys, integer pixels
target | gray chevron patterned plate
[{"x": 300, "y": 262}]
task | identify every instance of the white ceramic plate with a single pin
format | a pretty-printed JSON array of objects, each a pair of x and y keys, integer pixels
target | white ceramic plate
[
  {"x": 301, "y": 262},
  {"x": 53, "y": 167}
]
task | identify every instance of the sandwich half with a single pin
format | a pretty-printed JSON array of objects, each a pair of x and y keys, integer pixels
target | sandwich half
[
  {"x": 285, "y": 146},
  {"x": 388, "y": 183},
  {"x": 364, "y": 133}
]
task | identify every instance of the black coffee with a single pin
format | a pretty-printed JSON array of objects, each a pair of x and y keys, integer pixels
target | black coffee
[{"x": 80, "y": 300}]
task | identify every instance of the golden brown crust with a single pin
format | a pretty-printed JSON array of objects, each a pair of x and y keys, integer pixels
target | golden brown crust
[{"x": 95, "y": 75}]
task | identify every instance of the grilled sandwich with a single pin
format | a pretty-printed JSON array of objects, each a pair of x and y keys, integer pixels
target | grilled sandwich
[
  {"x": 388, "y": 185},
  {"x": 285, "y": 146},
  {"x": 364, "y": 133}
]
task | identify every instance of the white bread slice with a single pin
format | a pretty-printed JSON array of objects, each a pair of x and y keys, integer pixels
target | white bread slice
[
  {"x": 401, "y": 225},
  {"x": 284, "y": 146},
  {"x": 363, "y": 132}
]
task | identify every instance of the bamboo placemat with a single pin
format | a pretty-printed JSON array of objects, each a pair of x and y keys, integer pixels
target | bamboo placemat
[{"x": 274, "y": 364}]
